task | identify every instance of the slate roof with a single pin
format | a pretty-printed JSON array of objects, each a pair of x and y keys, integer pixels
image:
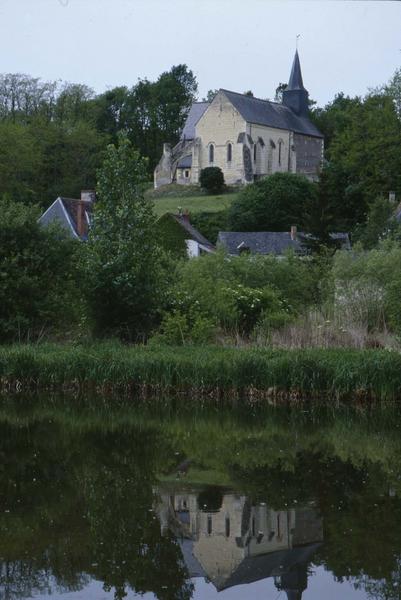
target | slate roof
[
  {"x": 195, "y": 112},
  {"x": 255, "y": 568},
  {"x": 271, "y": 114},
  {"x": 185, "y": 162},
  {"x": 295, "y": 81},
  {"x": 194, "y": 234},
  {"x": 270, "y": 242}
]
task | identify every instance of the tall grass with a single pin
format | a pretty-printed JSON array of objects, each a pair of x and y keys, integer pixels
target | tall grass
[{"x": 204, "y": 371}]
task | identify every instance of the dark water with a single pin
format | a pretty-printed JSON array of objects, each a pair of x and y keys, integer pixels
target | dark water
[{"x": 107, "y": 502}]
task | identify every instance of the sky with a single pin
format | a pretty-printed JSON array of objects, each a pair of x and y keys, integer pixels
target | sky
[{"x": 240, "y": 45}]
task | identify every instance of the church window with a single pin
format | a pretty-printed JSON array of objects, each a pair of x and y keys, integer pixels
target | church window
[
  {"x": 229, "y": 152},
  {"x": 209, "y": 525},
  {"x": 254, "y": 152},
  {"x": 227, "y": 526},
  {"x": 280, "y": 145},
  {"x": 186, "y": 174},
  {"x": 211, "y": 153}
]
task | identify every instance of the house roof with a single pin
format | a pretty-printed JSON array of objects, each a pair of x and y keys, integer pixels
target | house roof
[
  {"x": 270, "y": 242},
  {"x": 185, "y": 162},
  {"x": 271, "y": 114},
  {"x": 196, "y": 111},
  {"x": 193, "y": 233}
]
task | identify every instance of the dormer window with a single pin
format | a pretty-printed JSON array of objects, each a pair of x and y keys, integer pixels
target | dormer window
[
  {"x": 229, "y": 152},
  {"x": 211, "y": 154}
]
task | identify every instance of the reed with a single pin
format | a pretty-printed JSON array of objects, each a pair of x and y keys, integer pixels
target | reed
[{"x": 210, "y": 372}]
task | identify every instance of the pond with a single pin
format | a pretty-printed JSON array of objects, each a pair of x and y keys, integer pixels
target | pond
[{"x": 168, "y": 500}]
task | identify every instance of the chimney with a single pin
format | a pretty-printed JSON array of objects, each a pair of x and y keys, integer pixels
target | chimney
[
  {"x": 81, "y": 225},
  {"x": 293, "y": 232},
  {"x": 88, "y": 197}
]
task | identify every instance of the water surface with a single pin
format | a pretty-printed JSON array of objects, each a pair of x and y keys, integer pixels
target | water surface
[{"x": 110, "y": 501}]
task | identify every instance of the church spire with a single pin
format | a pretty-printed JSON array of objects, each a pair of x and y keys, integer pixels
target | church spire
[
  {"x": 295, "y": 96},
  {"x": 295, "y": 82}
]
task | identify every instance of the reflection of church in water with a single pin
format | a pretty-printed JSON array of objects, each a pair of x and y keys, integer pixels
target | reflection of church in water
[{"x": 232, "y": 542}]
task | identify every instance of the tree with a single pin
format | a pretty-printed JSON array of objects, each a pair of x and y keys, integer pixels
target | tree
[
  {"x": 211, "y": 179},
  {"x": 122, "y": 259},
  {"x": 38, "y": 283},
  {"x": 272, "y": 204},
  {"x": 380, "y": 223}
]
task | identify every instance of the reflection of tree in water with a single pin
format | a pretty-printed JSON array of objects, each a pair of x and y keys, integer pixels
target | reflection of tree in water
[{"x": 74, "y": 504}]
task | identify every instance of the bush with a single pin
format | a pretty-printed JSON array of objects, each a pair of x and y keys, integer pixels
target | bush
[
  {"x": 38, "y": 275},
  {"x": 210, "y": 223},
  {"x": 212, "y": 180},
  {"x": 273, "y": 203}
]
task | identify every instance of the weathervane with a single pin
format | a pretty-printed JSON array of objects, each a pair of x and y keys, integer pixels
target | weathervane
[{"x": 296, "y": 40}]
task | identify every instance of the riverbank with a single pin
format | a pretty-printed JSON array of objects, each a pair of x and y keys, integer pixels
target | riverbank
[{"x": 209, "y": 372}]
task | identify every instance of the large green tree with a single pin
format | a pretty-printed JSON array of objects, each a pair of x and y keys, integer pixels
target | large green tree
[
  {"x": 124, "y": 276},
  {"x": 272, "y": 204},
  {"x": 38, "y": 284}
]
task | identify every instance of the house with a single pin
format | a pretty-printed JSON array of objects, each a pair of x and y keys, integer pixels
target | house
[
  {"x": 74, "y": 215},
  {"x": 246, "y": 137},
  {"x": 178, "y": 236},
  {"x": 241, "y": 542},
  {"x": 276, "y": 243}
]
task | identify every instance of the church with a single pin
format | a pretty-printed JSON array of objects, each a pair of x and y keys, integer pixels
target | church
[{"x": 246, "y": 137}]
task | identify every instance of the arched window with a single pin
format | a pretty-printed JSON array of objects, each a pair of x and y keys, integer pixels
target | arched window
[
  {"x": 254, "y": 151},
  {"x": 209, "y": 525},
  {"x": 227, "y": 526},
  {"x": 280, "y": 151},
  {"x": 229, "y": 152},
  {"x": 211, "y": 153}
]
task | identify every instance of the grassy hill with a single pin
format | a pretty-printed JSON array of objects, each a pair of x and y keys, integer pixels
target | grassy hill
[{"x": 169, "y": 198}]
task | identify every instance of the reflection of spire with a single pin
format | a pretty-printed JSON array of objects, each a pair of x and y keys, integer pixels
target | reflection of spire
[{"x": 294, "y": 582}]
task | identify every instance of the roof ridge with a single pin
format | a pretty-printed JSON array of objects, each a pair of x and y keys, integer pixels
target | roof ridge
[{"x": 253, "y": 97}]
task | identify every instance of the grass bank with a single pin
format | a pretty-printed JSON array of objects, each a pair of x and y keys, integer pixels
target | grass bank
[
  {"x": 204, "y": 372},
  {"x": 194, "y": 204}
]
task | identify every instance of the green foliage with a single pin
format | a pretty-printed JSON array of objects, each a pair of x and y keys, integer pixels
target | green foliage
[
  {"x": 123, "y": 265},
  {"x": 238, "y": 293},
  {"x": 317, "y": 373},
  {"x": 273, "y": 203},
  {"x": 171, "y": 236},
  {"x": 368, "y": 284},
  {"x": 380, "y": 223},
  {"x": 211, "y": 180},
  {"x": 362, "y": 147},
  {"x": 210, "y": 223},
  {"x": 38, "y": 276}
]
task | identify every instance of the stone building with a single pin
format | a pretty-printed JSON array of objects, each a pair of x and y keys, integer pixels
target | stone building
[
  {"x": 246, "y": 137},
  {"x": 240, "y": 542}
]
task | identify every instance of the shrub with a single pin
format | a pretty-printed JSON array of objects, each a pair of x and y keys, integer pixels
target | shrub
[
  {"x": 273, "y": 203},
  {"x": 38, "y": 275},
  {"x": 210, "y": 223},
  {"x": 212, "y": 180}
]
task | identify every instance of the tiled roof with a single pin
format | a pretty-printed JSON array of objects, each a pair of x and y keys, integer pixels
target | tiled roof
[
  {"x": 271, "y": 114},
  {"x": 196, "y": 111},
  {"x": 270, "y": 242}
]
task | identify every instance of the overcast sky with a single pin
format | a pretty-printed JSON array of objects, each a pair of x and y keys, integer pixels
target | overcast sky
[{"x": 235, "y": 44}]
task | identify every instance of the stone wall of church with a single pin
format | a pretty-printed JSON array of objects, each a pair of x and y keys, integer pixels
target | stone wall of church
[
  {"x": 220, "y": 125},
  {"x": 309, "y": 155},
  {"x": 269, "y": 158}
]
